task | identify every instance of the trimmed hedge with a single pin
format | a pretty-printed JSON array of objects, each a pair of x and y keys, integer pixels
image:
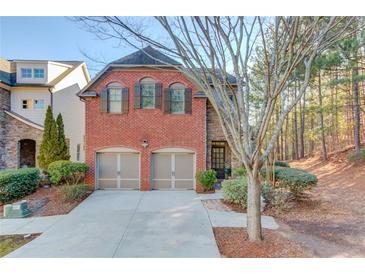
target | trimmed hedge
[
  {"x": 281, "y": 163},
  {"x": 235, "y": 191},
  {"x": 17, "y": 183},
  {"x": 207, "y": 178},
  {"x": 64, "y": 171},
  {"x": 296, "y": 180},
  {"x": 71, "y": 193},
  {"x": 357, "y": 157}
]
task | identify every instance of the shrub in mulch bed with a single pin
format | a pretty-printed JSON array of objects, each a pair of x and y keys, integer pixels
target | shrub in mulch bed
[
  {"x": 232, "y": 243},
  {"x": 17, "y": 183}
]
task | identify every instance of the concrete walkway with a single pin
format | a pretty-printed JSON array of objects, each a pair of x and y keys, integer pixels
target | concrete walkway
[
  {"x": 27, "y": 225},
  {"x": 231, "y": 218},
  {"x": 129, "y": 224}
]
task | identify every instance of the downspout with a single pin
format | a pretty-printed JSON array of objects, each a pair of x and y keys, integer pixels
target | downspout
[{"x": 51, "y": 94}]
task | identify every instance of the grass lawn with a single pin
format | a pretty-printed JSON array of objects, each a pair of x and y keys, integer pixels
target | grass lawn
[{"x": 9, "y": 243}]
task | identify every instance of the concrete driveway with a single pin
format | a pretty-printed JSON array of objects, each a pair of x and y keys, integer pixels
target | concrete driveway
[{"x": 129, "y": 224}]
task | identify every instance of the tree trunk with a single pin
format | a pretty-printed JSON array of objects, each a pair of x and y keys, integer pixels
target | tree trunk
[
  {"x": 254, "y": 207},
  {"x": 356, "y": 107},
  {"x": 323, "y": 137},
  {"x": 302, "y": 123}
]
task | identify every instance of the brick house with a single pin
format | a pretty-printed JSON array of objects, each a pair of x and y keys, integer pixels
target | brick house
[{"x": 148, "y": 126}]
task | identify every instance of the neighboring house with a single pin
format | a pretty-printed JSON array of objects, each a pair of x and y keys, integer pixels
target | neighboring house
[
  {"x": 27, "y": 87},
  {"x": 149, "y": 127}
]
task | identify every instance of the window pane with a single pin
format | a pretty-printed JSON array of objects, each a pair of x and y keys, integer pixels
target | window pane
[
  {"x": 26, "y": 73},
  {"x": 177, "y": 100},
  {"x": 38, "y": 73},
  {"x": 115, "y": 100},
  {"x": 177, "y": 107},
  {"x": 39, "y": 104},
  {"x": 148, "y": 95},
  {"x": 26, "y": 104}
]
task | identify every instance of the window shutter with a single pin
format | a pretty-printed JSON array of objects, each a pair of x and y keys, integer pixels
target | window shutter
[
  {"x": 137, "y": 95},
  {"x": 167, "y": 100},
  {"x": 188, "y": 100},
  {"x": 104, "y": 100},
  {"x": 125, "y": 100},
  {"x": 158, "y": 95}
]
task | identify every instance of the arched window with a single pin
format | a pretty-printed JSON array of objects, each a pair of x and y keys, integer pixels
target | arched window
[
  {"x": 177, "y": 98},
  {"x": 148, "y": 89},
  {"x": 114, "y": 98}
]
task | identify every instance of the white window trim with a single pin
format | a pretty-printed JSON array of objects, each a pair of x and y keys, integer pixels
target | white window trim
[
  {"x": 44, "y": 73},
  {"x": 32, "y": 104}
]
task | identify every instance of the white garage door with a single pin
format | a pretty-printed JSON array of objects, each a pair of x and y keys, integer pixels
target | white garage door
[
  {"x": 173, "y": 170},
  {"x": 118, "y": 170}
]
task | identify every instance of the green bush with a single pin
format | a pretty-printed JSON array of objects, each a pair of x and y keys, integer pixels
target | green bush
[
  {"x": 266, "y": 191},
  {"x": 239, "y": 172},
  {"x": 235, "y": 191},
  {"x": 296, "y": 180},
  {"x": 207, "y": 178},
  {"x": 17, "y": 183},
  {"x": 71, "y": 193},
  {"x": 64, "y": 171},
  {"x": 357, "y": 157},
  {"x": 281, "y": 163}
]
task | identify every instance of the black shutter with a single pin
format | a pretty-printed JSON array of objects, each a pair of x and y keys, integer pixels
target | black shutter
[
  {"x": 167, "y": 100},
  {"x": 125, "y": 100},
  {"x": 188, "y": 100},
  {"x": 137, "y": 95},
  {"x": 104, "y": 100},
  {"x": 158, "y": 95}
]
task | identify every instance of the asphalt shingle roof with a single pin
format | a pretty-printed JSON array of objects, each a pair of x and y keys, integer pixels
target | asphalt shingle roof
[{"x": 146, "y": 56}]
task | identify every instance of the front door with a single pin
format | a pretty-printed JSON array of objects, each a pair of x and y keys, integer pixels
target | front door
[
  {"x": 218, "y": 159},
  {"x": 173, "y": 170}
]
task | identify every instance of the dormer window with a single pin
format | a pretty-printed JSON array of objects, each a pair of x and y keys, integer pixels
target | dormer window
[
  {"x": 26, "y": 72},
  {"x": 39, "y": 73}
]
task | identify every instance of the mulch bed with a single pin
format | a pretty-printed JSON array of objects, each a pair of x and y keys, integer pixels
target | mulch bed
[
  {"x": 47, "y": 202},
  {"x": 233, "y": 243}
]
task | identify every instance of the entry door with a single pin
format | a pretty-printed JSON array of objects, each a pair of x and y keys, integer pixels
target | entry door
[
  {"x": 118, "y": 170},
  {"x": 173, "y": 170},
  {"x": 218, "y": 160}
]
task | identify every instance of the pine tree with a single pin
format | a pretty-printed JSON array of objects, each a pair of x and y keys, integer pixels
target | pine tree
[
  {"x": 48, "y": 148},
  {"x": 62, "y": 149}
]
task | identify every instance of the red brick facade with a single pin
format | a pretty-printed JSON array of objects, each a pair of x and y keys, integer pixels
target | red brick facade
[{"x": 161, "y": 130}]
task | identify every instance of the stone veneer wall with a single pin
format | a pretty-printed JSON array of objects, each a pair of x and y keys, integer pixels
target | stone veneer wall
[
  {"x": 11, "y": 132},
  {"x": 215, "y": 133},
  {"x": 4, "y": 105}
]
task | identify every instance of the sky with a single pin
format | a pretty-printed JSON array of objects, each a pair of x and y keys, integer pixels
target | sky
[{"x": 54, "y": 38}]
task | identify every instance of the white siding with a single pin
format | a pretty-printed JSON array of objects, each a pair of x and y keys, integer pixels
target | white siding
[
  {"x": 54, "y": 71},
  {"x": 20, "y": 80},
  {"x": 66, "y": 102},
  {"x": 35, "y": 115}
]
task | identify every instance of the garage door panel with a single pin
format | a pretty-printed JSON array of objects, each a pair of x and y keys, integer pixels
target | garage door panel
[
  {"x": 173, "y": 170},
  {"x": 118, "y": 170},
  {"x": 108, "y": 183},
  {"x": 129, "y": 166},
  {"x": 184, "y": 184},
  {"x": 161, "y": 166},
  {"x": 161, "y": 184},
  {"x": 129, "y": 184},
  {"x": 108, "y": 166},
  {"x": 184, "y": 168}
]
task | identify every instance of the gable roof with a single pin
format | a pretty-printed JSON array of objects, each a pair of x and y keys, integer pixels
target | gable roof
[{"x": 147, "y": 56}]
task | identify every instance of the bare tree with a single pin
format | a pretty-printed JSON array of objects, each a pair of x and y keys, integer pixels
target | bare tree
[{"x": 211, "y": 47}]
